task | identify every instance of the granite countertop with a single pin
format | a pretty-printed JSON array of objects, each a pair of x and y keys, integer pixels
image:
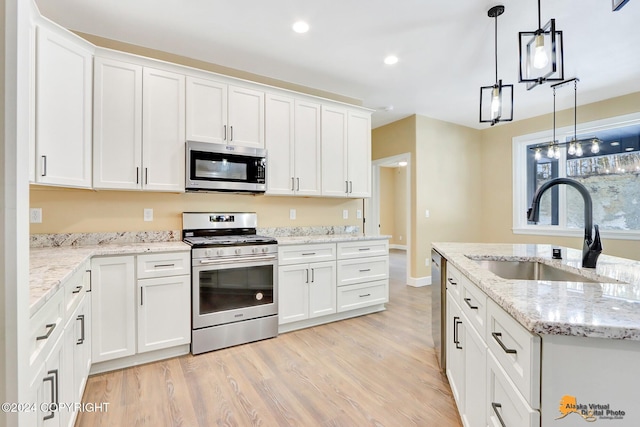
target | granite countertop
[
  {"x": 326, "y": 238},
  {"x": 50, "y": 267},
  {"x": 598, "y": 310}
]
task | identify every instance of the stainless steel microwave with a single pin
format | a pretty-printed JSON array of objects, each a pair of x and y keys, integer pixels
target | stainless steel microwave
[{"x": 219, "y": 167}]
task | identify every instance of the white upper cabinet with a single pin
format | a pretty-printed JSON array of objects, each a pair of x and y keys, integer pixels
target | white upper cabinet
[
  {"x": 225, "y": 114},
  {"x": 63, "y": 108},
  {"x": 117, "y": 125},
  {"x": 139, "y": 127},
  {"x": 346, "y": 152},
  {"x": 163, "y": 130},
  {"x": 293, "y": 146}
]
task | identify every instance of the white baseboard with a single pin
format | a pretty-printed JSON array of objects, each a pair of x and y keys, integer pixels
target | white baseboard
[
  {"x": 396, "y": 246},
  {"x": 418, "y": 282}
]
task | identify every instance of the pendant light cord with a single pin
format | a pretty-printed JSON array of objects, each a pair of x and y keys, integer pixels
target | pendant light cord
[
  {"x": 539, "y": 19},
  {"x": 575, "y": 109},
  {"x": 554, "y": 116},
  {"x": 495, "y": 45}
]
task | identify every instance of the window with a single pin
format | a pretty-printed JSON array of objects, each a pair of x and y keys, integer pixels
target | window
[{"x": 607, "y": 162}]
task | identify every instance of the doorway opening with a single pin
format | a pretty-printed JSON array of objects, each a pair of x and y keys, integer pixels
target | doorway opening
[{"x": 389, "y": 207}]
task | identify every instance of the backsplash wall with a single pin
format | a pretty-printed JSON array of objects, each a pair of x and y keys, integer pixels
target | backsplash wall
[{"x": 87, "y": 211}]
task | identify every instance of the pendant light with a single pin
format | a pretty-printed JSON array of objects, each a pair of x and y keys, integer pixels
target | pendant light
[
  {"x": 496, "y": 101},
  {"x": 541, "y": 54}
]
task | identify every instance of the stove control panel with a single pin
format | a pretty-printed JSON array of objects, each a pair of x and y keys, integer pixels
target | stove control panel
[{"x": 234, "y": 251}]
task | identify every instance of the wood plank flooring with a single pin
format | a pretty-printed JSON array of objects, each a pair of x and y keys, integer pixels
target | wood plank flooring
[{"x": 375, "y": 370}]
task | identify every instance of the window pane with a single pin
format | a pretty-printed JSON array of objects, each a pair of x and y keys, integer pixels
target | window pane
[{"x": 538, "y": 172}]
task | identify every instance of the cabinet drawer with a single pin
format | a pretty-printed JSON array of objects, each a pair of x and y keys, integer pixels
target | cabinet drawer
[
  {"x": 363, "y": 295},
  {"x": 74, "y": 290},
  {"x": 454, "y": 283},
  {"x": 505, "y": 405},
  {"x": 354, "y": 271},
  {"x": 517, "y": 351},
  {"x": 163, "y": 265},
  {"x": 474, "y": 304},
  {"x": 298, "y": 254},
  {"x": 363, "y": 248},
  {"x": 45, "y": 327}
]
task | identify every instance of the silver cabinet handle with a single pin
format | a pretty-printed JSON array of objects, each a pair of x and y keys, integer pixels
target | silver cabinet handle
[
  {"x": 163, "y": 265},
  {"x": 292, "y": 184},
  {"x": 44, "y": 166},
  {"x": 50, "y": 327},
  {"x": 298, "y": 182},
  {"x": 497, "y": 336},
  {"x": 346, "y": 183},
  {"x": 231, "y": 139},
  {"x": 364, "y": 249},
  {"x": 365, "y": 295},
  {"x": 350, "y": 187},
  {"x": 365, "y": 270},
  {"x": 224, "y": 138},
  {"x": 468, "y": 301},
  {"x": 141, "y": 295},
  {"x": 495, "y": 407},
  {"x": 89, "y": 271},
  {"x": 81, "y": 319},
  {"x": 313, "y": 275},
  {"x": 308, "y": 253},
  {"x": 307, "y": 281}
]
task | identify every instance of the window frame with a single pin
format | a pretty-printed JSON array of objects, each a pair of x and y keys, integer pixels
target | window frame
[{"x": 519, "y": 175}]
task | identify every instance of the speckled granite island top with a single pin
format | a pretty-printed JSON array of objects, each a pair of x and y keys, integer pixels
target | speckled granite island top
[
  {"x": 50, "y": 267},
  {"x": 598, "y": 310},
  {"x": 325, "y": 238}
]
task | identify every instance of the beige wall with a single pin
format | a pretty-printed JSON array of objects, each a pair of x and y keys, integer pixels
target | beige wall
[
  {"x": 387, "y": 204},
  {"x": 497, "y": 187},
  {"x": 69, "y": 210},
  {"x": 400, "y": 205},
  {"x": 445, "y": 179}
]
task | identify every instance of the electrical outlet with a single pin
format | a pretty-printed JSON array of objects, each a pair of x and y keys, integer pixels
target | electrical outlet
[
  {"x": 400, "y": 237},
  {"x": 426, "y": 261},
  {"x": 359, "y": 214},
  {"x": 426, "y": 213},
  {"x": 148, "y": 214},
  {"x": 292, "y": 214},
  {"x": 345, "y": 214},
  {"x": 35, "y": 215}
]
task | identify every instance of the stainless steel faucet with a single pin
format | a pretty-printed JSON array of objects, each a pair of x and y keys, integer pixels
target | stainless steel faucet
[{"x": 591, "y": 248}]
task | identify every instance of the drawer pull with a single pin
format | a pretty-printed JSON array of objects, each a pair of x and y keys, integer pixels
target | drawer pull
[
  {"x": 495, "y": 407},
  {"x": 456, "y": 322},
  {"x": 450, "y": 280},
  {"x": 77, "y": 290},
  {"x": 51, "y": 327},
  {"x": 309, "y": 253},
  {"x": 163, "y": 265},
  {"x": 364, "y": 249},
  {"x": 496, "y": 336},
  {"x": 365, "y": 270},
  {"x": 468, "y": 301},
  {"x": 51, "y": 379},
  {"x": 365, "y": 295}
]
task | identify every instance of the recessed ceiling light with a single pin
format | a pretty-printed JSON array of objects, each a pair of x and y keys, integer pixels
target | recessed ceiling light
[
  {"x": 390, "y": 60},
  {"x": 300, "y": 27}
]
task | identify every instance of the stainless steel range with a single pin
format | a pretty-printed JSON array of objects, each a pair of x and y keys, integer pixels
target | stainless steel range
[{"x": 234, "y": 280}]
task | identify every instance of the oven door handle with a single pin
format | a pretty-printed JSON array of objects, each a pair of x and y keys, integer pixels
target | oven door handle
[{"x": 236, "y": 260}]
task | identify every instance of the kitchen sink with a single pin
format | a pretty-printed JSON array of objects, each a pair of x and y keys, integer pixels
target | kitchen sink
[{"x": 532, "y": 270}]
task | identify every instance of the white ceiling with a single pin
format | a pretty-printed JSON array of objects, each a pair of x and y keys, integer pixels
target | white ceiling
[{"x": 445, "y": 47}]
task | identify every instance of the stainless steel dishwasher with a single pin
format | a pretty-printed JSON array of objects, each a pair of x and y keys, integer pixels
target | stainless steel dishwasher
[{"x": 439, "y": 305}]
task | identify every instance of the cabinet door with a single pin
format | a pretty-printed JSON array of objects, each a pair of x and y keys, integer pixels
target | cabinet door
[
  {"x": 163, "y": 136},
  {"x": 63, "y": 110},
  {"x": 322, "y": 289},
  {"x": 113, "y": 303},
  {"x": 117, "y": 125},
  {"x": 246, "y": 117},
  {"x": 279, "y": 141},
  {"x": 293, "y": 293},
  {"x": 206, "y": 110},
  {"x": 164, "y": 312},
  {"x": 455, "y": 355},
  {"x": 307, "y": 152},
  {"x": 475, "y": 369},
  {"x": 359, "y": 154},
  {"x": 334, "y": 152}
]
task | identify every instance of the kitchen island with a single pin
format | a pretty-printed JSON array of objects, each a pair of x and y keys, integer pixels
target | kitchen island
[{"x": 542, "y": 352}]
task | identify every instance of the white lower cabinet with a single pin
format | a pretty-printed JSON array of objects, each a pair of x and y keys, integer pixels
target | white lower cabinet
[
  {"x": 164, "y": 312},
  {"x": 493, "y": 363},
  {"x": 132, "y": 317},
  {"x": 306, "y": 291}
]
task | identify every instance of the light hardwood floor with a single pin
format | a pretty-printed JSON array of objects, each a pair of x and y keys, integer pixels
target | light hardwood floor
[{"x": 375, "y": 370}]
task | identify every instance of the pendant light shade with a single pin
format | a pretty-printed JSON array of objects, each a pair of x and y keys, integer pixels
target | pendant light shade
[
  {"x": 496, "y": 101},
  {"x": 541, "y": 54}
]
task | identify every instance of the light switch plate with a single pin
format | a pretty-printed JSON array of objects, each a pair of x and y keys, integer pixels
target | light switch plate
[
  {"x": 359, "y": 214},
  {"x": 345, "y": 214},
  {"x": 35, "y": 215},
  {"x": 148, "y": 214},
  {"x": 292, "y": 214}
]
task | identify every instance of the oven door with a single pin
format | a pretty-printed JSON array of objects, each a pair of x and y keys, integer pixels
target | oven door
[
  {"x": 232, "y": 290},
  {"x": 222, "y": 168}
]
